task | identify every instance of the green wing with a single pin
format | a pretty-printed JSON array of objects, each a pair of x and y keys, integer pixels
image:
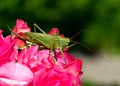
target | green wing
[
  {"x": 39, "y": 38},
  {"x": 47, "y": 40}
]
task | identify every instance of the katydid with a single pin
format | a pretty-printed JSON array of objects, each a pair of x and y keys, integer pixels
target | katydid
[{"x": 52, "y": 42}]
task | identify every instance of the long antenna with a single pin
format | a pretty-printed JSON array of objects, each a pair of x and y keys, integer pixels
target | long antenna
[
  {"x": 95, "y": 54},
  {"x": 16, "y": 33},
  {"x": 77, "y": 34}
]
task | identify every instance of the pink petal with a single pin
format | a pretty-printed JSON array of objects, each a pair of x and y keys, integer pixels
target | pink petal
[
  {"x": 54, "y": 77},
  {"x": 54, "y": 31},
  {"x": 69, "y": 57},
  {"x": 21, "y": 26},
  {"x": 74, "y": 67},
  {"x": 33, "y": 58},
  {"x": 7, "y": 45},
  {"x": 15, "y": 72}
]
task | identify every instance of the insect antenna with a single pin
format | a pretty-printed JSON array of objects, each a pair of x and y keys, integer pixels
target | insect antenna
[
  {"x": 15, "y": 33},
  {"x": 77, "y": 34},
  {"x": 71, "y": 45},
  {"x": 75, "y": 42},
  {"x": 91, "y": 50},
  {"x": 21, "y": 37}
]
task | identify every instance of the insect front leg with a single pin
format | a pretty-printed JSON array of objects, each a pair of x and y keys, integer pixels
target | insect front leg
[
  {"x": 63, "y": 56},
  {"x": 58, "y": 45},
  {"x": 53, "y": 51}
]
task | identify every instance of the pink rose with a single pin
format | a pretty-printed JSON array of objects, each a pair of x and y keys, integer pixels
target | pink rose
[
  {"x": 34, "y": 67},
  {"x": 69, "y": 58},
  {"x": 15, "y": 74},
  {"x": 75, "y": 68},
  {"x": 20, "y": 28},
  {"x": 8, "y": 49},
  {"x": 55, "y": 31},
  {"x": 59, "y": 76},
  {"x": 33, "y": 58}
]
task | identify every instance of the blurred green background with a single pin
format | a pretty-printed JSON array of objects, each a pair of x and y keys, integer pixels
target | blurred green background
[{"x": 99, "y": 18}]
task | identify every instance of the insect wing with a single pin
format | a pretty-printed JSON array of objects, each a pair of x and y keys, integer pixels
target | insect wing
[
  {"x": 47, "y": 40},
  {"x": 39, "y": 38}
]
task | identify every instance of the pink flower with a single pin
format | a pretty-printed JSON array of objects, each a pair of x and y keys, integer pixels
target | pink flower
[
  {"x": 8, "y": 49},
  {"x": 20, "y": 28},
  {"x": 59, "y": 76},
  {"x": 75, "y": 68},
  {"x": 34, "y": 67},
  {"x": 15, "y": 74},
  {"x": 33, "y": 58},
  {"x": 20, "y": 43},
  {"x": 55, "y": 31},
  {"x": 48, "y": 73},
  {"x": 69, "y": 58}
]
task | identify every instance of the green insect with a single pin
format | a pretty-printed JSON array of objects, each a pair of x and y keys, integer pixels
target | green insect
[{"x": 51, "y": 42}]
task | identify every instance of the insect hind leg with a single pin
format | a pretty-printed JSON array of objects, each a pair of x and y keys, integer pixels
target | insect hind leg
[{"x": 39, "y": 28}]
